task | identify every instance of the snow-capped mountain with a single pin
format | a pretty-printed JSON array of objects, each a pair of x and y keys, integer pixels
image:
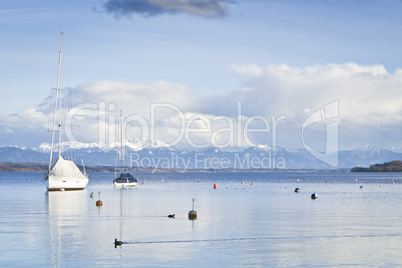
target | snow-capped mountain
[
  {"x": 141, "y": 153},
  {"x": 366, "y": 156},
  {"x": 133, "y": 144}
]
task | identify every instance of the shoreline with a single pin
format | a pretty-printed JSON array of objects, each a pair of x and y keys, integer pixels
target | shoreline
[{"x": 41, "y": 167}]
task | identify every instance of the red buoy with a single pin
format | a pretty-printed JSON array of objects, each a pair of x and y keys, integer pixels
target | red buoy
[{"x": 215, "y": 186}]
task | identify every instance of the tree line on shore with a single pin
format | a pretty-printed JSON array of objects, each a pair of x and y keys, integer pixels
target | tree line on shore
[
  {"x": 35, "y": 167},
  {"x": 393, "y": 166}
]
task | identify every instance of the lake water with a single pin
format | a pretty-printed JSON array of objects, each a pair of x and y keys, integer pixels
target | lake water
[{"x": 261, "y": 223}]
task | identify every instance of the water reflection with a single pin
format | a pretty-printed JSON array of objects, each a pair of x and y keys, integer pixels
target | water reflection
[
  {"x": 65, "y": 209},
  {"x": 120, "y": 224},
  {"x": 266, "y": 224}
]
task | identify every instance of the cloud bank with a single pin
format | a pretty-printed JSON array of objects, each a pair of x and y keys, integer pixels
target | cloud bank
[
  {"x": 275, "y": 100},
  {"x": 149, "y": 8}
]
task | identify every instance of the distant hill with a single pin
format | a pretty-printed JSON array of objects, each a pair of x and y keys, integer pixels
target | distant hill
[
  {"x": 22, "y": 155},
  {"x": 22, "y": 167},
  {"x": 34, "y": 167},
  {"x": 393, "y": 166}
]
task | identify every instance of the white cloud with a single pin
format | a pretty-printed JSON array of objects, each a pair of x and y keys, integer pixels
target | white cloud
[
  {"x": 135, "y": 97},
  {"x": 369, "y": 96},
  {"x": 369, "y": 103},
  {"x": 362, "y": 90},
  {"x": 26, "y": 119},
  {"x": 250, "y": 70}
]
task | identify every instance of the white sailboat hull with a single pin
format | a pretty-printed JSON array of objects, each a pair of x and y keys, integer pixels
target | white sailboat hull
[
  {"x": 125, "y": 184},
  {"x": 66, "y": 183},
  {"x": 65, "y": 175},
  {"x": 125, "y": 180}
]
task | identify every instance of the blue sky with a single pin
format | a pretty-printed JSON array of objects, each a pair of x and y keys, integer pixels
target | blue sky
[{"x": 286, "y": 58}]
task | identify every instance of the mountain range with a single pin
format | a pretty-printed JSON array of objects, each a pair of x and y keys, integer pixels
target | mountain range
[{"x": 141, "y": 154}]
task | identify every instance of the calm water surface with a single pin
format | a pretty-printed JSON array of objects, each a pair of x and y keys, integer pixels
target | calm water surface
[{"x": 261, "y": 223}]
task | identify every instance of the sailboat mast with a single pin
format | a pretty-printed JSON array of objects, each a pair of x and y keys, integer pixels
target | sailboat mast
[
  {"x": 56, "y": 103},
  {"x": 59, "y": 88},
  {"x": 121, "y": 142}
]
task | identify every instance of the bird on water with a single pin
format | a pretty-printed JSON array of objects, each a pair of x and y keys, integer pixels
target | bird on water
[{"x": 117, "y": 243}]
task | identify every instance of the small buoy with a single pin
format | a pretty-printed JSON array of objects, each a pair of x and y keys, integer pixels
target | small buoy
[
  {"x": 92, "y": 195},
  {"x": 379, "y": 185},
  {"x": 326, "y": 182},
  {"x": 192, "y": 214},
  {"x": 171, "y": 216},
  {"x": 198, "y": 180},
  {"x": 314, "y": 196},
  {"x": 215, "y": 186},
  {"x": 297, "y": 190},
  {"x": 242, "y": 182},
  {"x": 355, "y": 179},
  {"x": 99, "y": 203},
  {"x": 393, "y": 182},
  {"x": 251, "y": 183},
  {"x": 297, "y": 179},
  {"x": 361, "y": 186}
]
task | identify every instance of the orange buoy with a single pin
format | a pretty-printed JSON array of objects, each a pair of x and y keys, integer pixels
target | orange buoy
[
  {"x": 99, "y": 203},
  {"x": 251, "y": 183},
  {"x": 215, "y": 186},
  {"x": 242, "y": 182},
  {"x": 192, "y": 214}
]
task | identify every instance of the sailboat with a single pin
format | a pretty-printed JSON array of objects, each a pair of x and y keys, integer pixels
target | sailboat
[
  {"x": 125, "y": 179},
  {"x": 64, "y": 175}
]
